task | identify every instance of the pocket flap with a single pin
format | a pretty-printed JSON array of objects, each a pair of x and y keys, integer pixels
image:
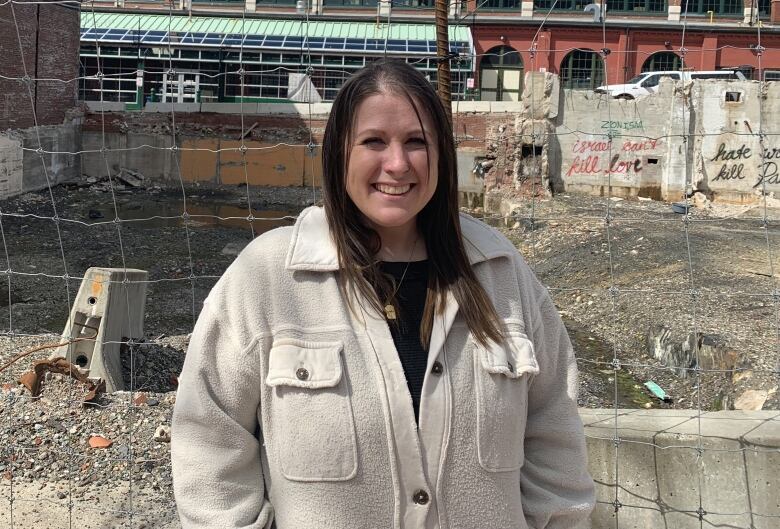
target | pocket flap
[
  {"x": 513, "y": 358},
  {"x": 304, "y": 364}
]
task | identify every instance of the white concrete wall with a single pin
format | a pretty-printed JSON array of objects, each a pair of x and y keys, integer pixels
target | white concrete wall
[
  {"x": 601, "y": 142},
  {"x": 130, "y": 151},
  {"x": 729, "y": 158},
  {"x": 11, "y": 164},
  {"x": 657, "y": 475},
  {"x": 23, "y": 169},
  {"x": 700, "y": 137}
]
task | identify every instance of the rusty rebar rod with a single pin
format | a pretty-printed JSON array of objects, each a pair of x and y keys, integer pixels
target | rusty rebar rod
[{"x": 443, "y": 77}]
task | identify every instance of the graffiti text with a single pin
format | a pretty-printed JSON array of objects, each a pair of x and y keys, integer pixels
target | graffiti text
[{"x": 622, "y": 125}]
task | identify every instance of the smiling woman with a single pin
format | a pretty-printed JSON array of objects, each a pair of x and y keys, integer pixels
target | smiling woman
[
  {"x": 388, "y": 129},
  {"x": 392, "y": 171},
  {"x": 386, "y": 362}
]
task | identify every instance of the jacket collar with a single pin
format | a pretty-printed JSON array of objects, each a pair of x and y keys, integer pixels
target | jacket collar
[{"x": 311, "y": 247}]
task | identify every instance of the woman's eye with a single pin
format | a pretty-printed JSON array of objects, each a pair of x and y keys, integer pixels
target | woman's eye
[
  {"x": 372, "y": 141},
  {"x": 417, "y": 141}
]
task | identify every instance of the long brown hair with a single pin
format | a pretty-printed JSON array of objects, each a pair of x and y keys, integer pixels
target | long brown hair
[{"x": 438, "y": 222}]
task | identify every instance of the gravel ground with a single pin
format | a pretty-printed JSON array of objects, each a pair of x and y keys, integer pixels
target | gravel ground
[
  {"x": 647, "y": 268},
  {"x": 43, "y": 438},
  {"x": 611, "y": 288},
  {"x": 48, "y": 458}
]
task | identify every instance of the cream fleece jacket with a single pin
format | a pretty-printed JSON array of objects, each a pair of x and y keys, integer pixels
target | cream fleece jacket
[{"x": 293, "y": 411}]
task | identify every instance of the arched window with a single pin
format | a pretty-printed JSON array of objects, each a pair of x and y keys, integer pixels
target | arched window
[
  {"x": 582, "y": 69},
  {"x": 663, "y": 61},
  {"x": 501, "y": 75}
]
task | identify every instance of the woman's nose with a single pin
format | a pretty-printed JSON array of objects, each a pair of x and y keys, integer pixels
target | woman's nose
[{"x": 396, "y": 160}]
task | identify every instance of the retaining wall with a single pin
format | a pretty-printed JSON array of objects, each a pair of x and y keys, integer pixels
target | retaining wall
[
  {"x": 666, "y": 460},
  {"x": 23, "y": 169},
  {"x": 705, "y": 136}
]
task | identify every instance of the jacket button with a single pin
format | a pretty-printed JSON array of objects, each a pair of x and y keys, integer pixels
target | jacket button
[
  {"x": 302, "y": 373},
  {"x": 437, "y": 368},
  {"x": 420, "y": 497}
]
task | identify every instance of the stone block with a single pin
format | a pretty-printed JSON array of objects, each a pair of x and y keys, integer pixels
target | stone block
[{"x": 541, "y": 95}]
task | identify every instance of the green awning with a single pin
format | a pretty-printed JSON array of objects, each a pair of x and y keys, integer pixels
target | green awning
[{"x": 225, "y": 32}]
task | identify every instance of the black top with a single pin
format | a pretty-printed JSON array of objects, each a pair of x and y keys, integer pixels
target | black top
[{"x": 410, "y": 303}]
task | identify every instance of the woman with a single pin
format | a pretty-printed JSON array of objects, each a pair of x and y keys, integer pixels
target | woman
[{"x": 386, "y": 362}]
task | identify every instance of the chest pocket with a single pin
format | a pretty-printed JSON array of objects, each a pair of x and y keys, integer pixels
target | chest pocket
[
  {"x": 502, "y": 373},
  {"x": 314, "y": 429}
]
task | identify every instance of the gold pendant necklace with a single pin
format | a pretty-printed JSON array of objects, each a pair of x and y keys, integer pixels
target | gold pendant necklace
[{"x": 390, "y": 313}]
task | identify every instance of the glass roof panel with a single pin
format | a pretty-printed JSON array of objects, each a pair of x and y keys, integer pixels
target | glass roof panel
[
  {"x": 253, "y": 40},
  {"x": 193, "y": 38},
  {"x": 233, "y": 40},
  {"x": 274, "y": 41},
  {"x": 375, "y": 44},
  {"x": 213, "y": 38},
  {"x": 154, "y": 36},
  {"x": 315, "y": 43},
  {"x": 334, "y": 43},
  {"x": 132, "y": 35}
]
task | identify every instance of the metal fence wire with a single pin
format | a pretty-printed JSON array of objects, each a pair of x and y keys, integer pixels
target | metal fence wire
[{"x": 51, "y": 467}]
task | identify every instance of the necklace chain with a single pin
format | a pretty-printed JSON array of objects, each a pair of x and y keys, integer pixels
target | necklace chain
[{"x": 390, "y": 313}]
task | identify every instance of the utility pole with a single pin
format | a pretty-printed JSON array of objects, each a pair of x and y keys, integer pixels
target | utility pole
[{"x": 443, "y": 54}]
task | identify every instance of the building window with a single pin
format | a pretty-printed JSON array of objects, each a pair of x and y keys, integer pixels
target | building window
[
  {"x": 561, "y": 5},
  {"x": 211, "y": 76},
  {"x": 718, "y": 7},
  {"x": 119, "y": 75},
  {"x": 764, "y": 7},
  {"x": 771, "y": 75},
  {"x": 663, "y": 61},
  {"x": 582, "y": 69},
  {"x": 351, "y": 3},
  {"x": 500, "y": 4},
  {"x": 639, "y": 6},
  {"x": 501, "y": 75},
  {"x": 413, "y": 3}
]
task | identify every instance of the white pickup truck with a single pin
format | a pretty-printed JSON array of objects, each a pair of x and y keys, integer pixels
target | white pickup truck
[{"x": 647, "y": 82}]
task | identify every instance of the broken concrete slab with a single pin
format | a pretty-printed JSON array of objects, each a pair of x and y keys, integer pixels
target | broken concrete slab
[{"x": 107, "y": 312}]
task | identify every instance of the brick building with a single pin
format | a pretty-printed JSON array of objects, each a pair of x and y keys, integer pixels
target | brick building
[
  {"x": 636, "y": 36},
  {"x": 39, "y": 67},
  {"x": 507, "y": 38},
  {"x": 49, "y": 37}
]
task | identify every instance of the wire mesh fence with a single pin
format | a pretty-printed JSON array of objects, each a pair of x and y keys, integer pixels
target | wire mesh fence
[{"x": 675, "y": 310}]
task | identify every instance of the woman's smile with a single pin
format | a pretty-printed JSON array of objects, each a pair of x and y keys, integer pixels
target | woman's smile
[{"x": 393, "y": 189}]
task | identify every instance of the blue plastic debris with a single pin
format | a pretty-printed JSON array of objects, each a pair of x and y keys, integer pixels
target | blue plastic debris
[{"x": 657, "y": 391}]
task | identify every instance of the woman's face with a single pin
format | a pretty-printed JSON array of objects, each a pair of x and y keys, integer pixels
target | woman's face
[{"x": 388, "y": 176}]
